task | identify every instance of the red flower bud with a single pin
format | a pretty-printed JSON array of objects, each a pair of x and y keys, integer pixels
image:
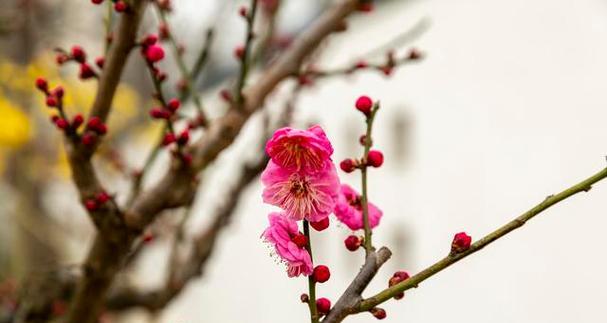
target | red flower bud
[
  {"x": 320, "y": 225},
  {"x": 173, "y": 105},
  {"x": 77, "y": 121},
  {"x": 353, "y": 242},
  {"x": 387, "y": 70},
  {"x": 163, "y": 31},
  {"x": 120, "y": 6},
  {"x": 159, "y": 113},
  {"x": 300, "y": 240},
  {"x": 61, "y": 123},
  {"x": 375, "y": 158},
  {"x": 51, "y": 101},
  {"x": 361, "y": 65},
  {"x": 78, "y": 54},
  {"x": 365, "y": 6},
  {"x": 242, "y": 11},
  {"x": 58, "y": 92},
  {"x": 321, "y": 273},
  {"x": 100, "y": 61},
  {"x": 168, "y": 139},
  {"x": 379, "y": 313},
  {"x": 239, "y": 52},
  {"x": 42, "y": 84},
  {"x": 147, "y": 237},
  {"x": 347, "y": 165},
  {"x": 323, "y": 305},
  {"x": 226, "y": 95},
  {"x": 461, "y": 242},
  {"x": 86, "y": 72},
  {"x": 97, "y": 1},
  {"x": 154, "y": 53},
  {"x": 150, "y": 40},
  {"x": 61, "y": 58},
  {"x": 91, "y": 205},
  {"x": 89, "y": 139},
  {"x": 184, "y": 137},
  {"x": 398, "y": 277},
  {"x": 364, "y": 104},
  {"x": 102, "y": 197}
]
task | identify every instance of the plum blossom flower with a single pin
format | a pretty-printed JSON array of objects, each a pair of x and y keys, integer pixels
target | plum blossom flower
[
  {"x": 281, "y": 234},
  {"x": 296, "y": 150},
  {"x": 348, "y": 209},
  {"x": 302, "y": 195}
]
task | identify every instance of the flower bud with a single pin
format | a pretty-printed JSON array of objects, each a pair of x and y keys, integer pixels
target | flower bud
[
  {"x": 173, "y": 105},
  {"x": 159, "y": 113},
  {"x": 461, "y": 242},
  {"x": 364, "y": 104},
  {"x": 239, "y": 52},
  {"x": 347, "y": 165},
  {"x": 375, "y": 158},
  {"x": 78, "y": 54},
  {"x": 321, "y": 274},
  {"x": 320, "y": 225},
  {"x": 168, "y": 139},
  {"x": 323, "y": 305},
  {"x": 154, "y": 53},
  {"x": 91, "y": 205},
  {"x": 353, "y": 242},
  {"x": 379, "y": 313},
  {"x": 42, "y": 84}
]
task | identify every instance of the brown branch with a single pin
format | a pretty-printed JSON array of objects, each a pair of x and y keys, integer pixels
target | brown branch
[
  {"x": 112, "y": 242},
  {"x": 353, "y": 294}
]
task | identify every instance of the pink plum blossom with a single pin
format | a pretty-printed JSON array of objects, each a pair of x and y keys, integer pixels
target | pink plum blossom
[
  {"x": 302, "y": 195},
  {"x": 280, "y": 234},
  {"x": 348, "y": 209},
  {"x": 297, "y": 150}
]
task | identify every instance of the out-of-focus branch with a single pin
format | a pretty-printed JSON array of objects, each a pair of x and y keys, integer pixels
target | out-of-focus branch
[
  {"x": 203, "y": 245},
  {"x": 185, "y": 74},
  {"x": 174, "y": 189},
  {"x": 113, "y": 241},
  {"x": 245, "y": 59},
  {"x": 354, "y": 304}
]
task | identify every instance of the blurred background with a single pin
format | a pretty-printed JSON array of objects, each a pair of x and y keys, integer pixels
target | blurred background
[{"x": 507, "y": 107}]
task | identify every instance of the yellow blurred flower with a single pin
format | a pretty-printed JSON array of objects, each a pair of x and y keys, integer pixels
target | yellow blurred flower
[{"x": 15, "y": 127}]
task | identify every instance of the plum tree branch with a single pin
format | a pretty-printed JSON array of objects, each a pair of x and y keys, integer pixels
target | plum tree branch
[{"x": 363, "y": 305}]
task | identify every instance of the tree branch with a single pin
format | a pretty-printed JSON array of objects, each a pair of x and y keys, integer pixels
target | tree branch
[{"x": 414, "y": 281}]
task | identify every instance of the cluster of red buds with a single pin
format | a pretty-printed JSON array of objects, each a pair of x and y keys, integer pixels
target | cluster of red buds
[
  {"x": 398, "y": 277},
  {"x": 99, "y": 200},
  {"x": 119, "y": 5},
  {"x": 375, "y": 158},
  {"x": 78, "y": 54},
  {"x": 151, "y": 50},
  {"x": 54, "y": 100}
]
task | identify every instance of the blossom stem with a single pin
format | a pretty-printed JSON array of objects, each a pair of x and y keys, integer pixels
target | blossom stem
[
  {"x": 244, "y": 66},
  {"x": 186, "y": 76},
  {"x": 368, "y": 244},
  {"x": 311, "y": 282},
  {"x": 444, "y": 263}
]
